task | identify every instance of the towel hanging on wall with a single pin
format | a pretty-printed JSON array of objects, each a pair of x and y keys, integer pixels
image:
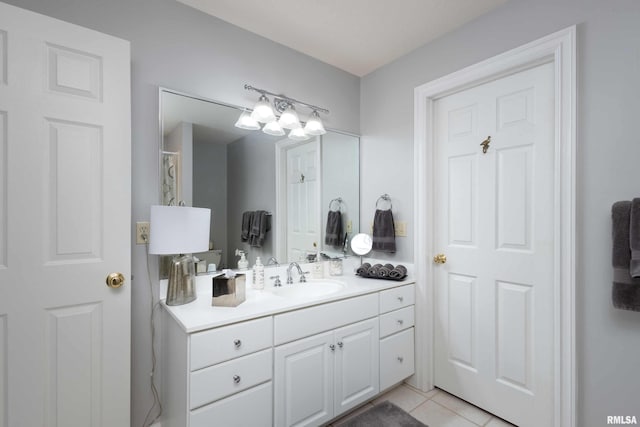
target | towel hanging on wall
[
  {"x": 384, "y": 232},
  {"x": 625, "y": 293},
  {"x": 333, "y": 232},
  {"x": 634, "y": 238}
]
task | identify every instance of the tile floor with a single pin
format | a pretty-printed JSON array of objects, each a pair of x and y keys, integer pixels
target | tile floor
[{"x": 435, "y": 408}]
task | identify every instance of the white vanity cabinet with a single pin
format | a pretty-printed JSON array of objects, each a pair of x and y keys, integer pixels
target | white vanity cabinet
[
  {"x": 396, "y": 335},
  {"x": 319, "y": 377},
  {"x": 216, "y": 374}
]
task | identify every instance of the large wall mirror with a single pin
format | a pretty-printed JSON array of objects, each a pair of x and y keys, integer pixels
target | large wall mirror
[{"x": 269, "y": 196}]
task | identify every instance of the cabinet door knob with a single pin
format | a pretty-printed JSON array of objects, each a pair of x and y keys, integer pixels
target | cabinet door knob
[
  {"x": 332, "y": 347},
  {"x": 400, "y": 299},
  {"x": 237, "y": 343},
  {"x": 340, "y": 344},
  {"x": 400, "y": 321},
  {"x": 400, "y": 359},
  {"x": 236, "y": 379}
]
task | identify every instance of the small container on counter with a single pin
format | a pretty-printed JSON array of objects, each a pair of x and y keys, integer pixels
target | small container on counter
[
  {"x": 229, "y": 291},
  {"x": 335, "y": 267}
]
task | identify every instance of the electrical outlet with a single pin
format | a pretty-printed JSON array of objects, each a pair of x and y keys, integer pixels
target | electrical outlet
[
  {"x": 142, "y": 232},
  {"x": 349, "y": 226},
  {"x": 401, "y": 228}
]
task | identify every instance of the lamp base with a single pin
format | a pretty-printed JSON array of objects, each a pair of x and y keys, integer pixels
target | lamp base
[{"x": 182, "y": 281}]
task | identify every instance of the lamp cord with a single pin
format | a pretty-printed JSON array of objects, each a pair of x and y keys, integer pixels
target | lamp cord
[{"x": 153, "y": 305}]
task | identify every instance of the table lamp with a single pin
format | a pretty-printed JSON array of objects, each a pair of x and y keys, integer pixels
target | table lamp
[{"x": 179, "y": 231}]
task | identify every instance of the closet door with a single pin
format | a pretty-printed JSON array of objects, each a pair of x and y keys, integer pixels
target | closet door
[{"x": 65, "y": 190}]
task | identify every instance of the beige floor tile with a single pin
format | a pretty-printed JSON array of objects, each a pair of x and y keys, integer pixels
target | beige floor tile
[
  {"x": 403, "y": 397},
  {"x": 428, "y": 394},
  {"x": 498, "y": 422},
  {"x": 460, "y": 407},
  {"x": 436, "y": 415},
  {"x": 350, "y": 415}
]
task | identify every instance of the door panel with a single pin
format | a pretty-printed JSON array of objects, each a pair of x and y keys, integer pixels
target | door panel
[
  {"x": 65, "y": 208},
  {"x": 493, "y": 220}
]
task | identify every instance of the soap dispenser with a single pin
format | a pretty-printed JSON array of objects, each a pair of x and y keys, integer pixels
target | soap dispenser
[
  {"x": 258, "y": 274},
  {"x": 243, "y": 264}
]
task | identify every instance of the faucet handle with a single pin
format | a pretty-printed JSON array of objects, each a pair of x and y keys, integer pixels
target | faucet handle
[
  {"x": 302, "y": 278},
  {"x": 277, "y": 282}
]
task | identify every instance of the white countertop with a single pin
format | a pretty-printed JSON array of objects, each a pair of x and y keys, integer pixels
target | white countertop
[{"x": 200, "y": 314}]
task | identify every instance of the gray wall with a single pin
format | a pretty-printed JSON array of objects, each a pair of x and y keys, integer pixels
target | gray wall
[
  {"x": 210, "y": 187},
  {"x": 180, "y": 140},
  {"x": 177, "y": 47},
  {"x": 608, "y": 169}
]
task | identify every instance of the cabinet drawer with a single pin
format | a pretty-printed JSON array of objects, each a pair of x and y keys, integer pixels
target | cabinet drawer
[
  {"x": 396, "y": 321},
  {"x": 310, "y": 321},
  {"x": 253, "y": 407},
  {"x": 396, "y": 358},
  {"x": 393, "y": 299},
  {"x": 221, "y": 344},
  {"x": 215, "y": 382}
]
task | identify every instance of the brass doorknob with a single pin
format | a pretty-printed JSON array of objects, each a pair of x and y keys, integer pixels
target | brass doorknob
[
  {"x": 440, "y": 259},
  {"x": 115, "y": 280}
]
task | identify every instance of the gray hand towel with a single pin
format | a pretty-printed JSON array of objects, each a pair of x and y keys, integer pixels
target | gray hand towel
[
  {"x": 333, "y": 235},
  {"x": 625, "y": 292},
  {"x": 246, "y": 225},
  {"x": 634, "y": 238},
  {"x": 384, "y": 271},
  {"x": 258, "y": 228},
  {"x": 363, "y": 269},
  {"x": 399, "y": 272},
  {"x": 384, "y": 232},
  {"x": 373, "y": 271}
]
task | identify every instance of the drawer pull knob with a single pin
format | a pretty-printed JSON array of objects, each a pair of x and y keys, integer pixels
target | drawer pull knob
[
  {"x": 400, "y": 359},
  {"x": 400, "y": 321},
  {"x": 332, "y": 347},
  {"x": 236, "y": 379},
  {"x": 237, "y": 343},
  {"x": 400, "y": 299},
  {"x": 340, "y": 344}
]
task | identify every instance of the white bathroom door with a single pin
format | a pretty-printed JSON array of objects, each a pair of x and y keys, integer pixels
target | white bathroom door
[
  {"x": 65, "y": 189},
  {"x": 494, "y": 305},
  {"x": 303, "y": 200}
]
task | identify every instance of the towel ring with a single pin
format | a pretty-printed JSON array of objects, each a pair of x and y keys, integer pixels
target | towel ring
[
  {"x": 337, "y": 200},
  {"x": 385, "y": 198}
]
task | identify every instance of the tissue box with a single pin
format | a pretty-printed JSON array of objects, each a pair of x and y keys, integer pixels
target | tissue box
[{"x": 229, "y": 292}]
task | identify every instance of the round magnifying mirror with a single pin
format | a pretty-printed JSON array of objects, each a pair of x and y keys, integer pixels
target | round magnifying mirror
[{"x": 361, "y": 244}]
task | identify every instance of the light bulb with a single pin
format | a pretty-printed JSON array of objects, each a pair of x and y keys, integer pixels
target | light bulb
[
  {"x": 246, "y": 122},
  {"x": 298, "y": 134},
  {"x": 289, "y": 118},
  {"x": 273, "y": 128},
  {"x": 262, "y": 112},
  {"x": 314, "y": 125}
]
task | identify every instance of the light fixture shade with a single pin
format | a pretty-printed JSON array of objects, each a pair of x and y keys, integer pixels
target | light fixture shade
[
  {"x": 273, "y": 128},
  {"x": 245, "y": 121},
  {"x": 178, "y": 230},
  {"x": 289, "y": 118},
  {"x": 314, "y": 125},
  {"x": 262, "y": 112},
  {"x": 298, "y": 134}
]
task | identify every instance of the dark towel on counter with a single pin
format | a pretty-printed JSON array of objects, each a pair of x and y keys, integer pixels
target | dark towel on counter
[
  {"x": 333, "y": 235},
  {"x": 373, "y": 271},
  {"x": 625, "y": 293},
  {"x": 363, "y": 270},
  {"x": 634, "y": 238},
  {"x": 384, "y": 232},
  {"x": 399, "y": 272},
  {"x": 384, "y": 271},
  {"x": 258, "y": 229}
]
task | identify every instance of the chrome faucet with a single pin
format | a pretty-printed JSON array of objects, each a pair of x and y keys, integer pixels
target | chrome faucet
[
  {"x": 300, "y": 273},
  {"x": 274, "y": 261}
]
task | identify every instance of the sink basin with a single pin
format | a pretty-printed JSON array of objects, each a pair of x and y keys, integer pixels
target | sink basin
[{"x": 308, "y": 290}]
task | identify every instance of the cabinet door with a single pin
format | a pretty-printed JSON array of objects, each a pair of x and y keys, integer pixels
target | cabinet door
[
  {"x": 356, "y": 364},
  {"x": 396, "y": 358},
  {"x": 303, "y": 381}
]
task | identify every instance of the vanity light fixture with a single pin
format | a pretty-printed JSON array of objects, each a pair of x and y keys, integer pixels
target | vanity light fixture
[{"x": 264, "y": 112}]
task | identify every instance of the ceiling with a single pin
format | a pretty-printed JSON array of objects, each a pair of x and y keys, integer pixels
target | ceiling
[{"x": 357, "y": 36}]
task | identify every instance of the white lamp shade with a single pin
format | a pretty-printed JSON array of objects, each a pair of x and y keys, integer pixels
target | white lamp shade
[
  {"x": 245, "y": 121},
  {"x": 178, "y": 230},
  {"x": 289, "y": 118},
  {"x": 273, "y": 128},
  {"x": 262, "y": 112},
  {"x": 314, "y": 125},
  {"x": 298, "y": 135}
]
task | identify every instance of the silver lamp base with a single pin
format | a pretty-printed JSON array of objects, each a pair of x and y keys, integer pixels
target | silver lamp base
[{"x": 182, "y": 281}]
